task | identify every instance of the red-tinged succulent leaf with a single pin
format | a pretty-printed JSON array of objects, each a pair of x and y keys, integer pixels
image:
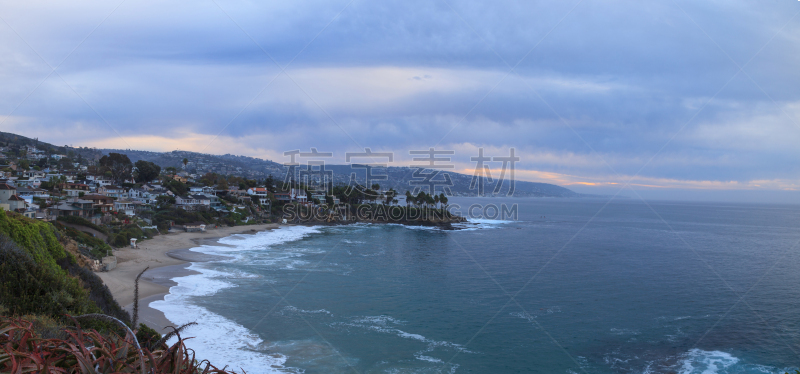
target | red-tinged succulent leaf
[{"x": 87, "y": 351}]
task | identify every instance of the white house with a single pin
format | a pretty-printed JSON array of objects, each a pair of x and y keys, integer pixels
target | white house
[
  {"x": 33, "y": 192},
  {"x": 141, "y": 195},
  {"x": 204, "y": 190},
  {"x": 28, "y": 182},
  {"x": 190, "y": 202},
  {"x": 126, "y": 206},
  {"x": 111, "y": 191},
  {"x": 9, "y": 198}
]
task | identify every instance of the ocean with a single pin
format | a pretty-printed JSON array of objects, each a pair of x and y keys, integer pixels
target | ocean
[{"x": 571, "y": 286}]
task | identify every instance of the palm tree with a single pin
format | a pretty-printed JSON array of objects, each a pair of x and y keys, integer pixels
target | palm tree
[
  {"x": 420, "y": 199},
  {"x": 443, "y": 199},
  {"x": 436, "y": 200},
  {"x": 185, "y": 161},
  {"x": 409, "y": 197}
]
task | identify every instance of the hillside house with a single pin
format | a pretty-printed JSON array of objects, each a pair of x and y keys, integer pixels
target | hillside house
[
  {"x": 193, "y": 202},
  {"x": 128, "y": 207},
  {"x": 204, "y": 190},
  {"x": 28, "y": 182},
  {"x": 111, "y": 191},
  {"x": 33, "y": 192},
  {"x": 33, "y": 174},
  {"x": 75, "y": 189},
  {"x": 78, "y": 208},
  {"x": 9, "y": 199},
  {"x": 293, "y": 195},
  {"x": 141, "y": 195},
  {"x": 100, "y": 203}
]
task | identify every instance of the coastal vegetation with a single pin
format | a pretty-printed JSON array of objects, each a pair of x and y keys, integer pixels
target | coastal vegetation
[
  {"x": 31, "y": 348},
  {"x": 46, "y": 287},
  {"x": 39, "y": 276}
]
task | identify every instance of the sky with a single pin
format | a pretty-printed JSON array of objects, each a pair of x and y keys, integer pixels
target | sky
[{"x": 666, "y": 99}]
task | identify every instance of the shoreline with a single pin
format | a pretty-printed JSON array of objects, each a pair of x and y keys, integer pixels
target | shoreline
[{"x": 168, "y": 256}]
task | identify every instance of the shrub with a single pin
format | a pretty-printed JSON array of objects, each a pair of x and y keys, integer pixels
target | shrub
[
  {"x": 97, "y": 247},
  {"x": 28, "y": 287},
  {"x": 123, "y": 237},
  {"x": 37, "y": 276},
  {"x": 83, "y": 222},
  {"x": 146, "y": 336}
]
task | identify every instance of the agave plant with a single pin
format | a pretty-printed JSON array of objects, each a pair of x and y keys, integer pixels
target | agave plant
[{"x": 22, "y": 351}]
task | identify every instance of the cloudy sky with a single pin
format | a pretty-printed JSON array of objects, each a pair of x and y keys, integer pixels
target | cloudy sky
[{"x": 683, "y": 99}]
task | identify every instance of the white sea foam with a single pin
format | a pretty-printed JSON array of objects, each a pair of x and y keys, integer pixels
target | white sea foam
[
  {"x": 388, "y": 325},
  {"x": 417, "y": 227},
  {"x": 698, "y": 361},
  {"x": 221, "y": 341},
  {"x": 473, "y": 224},
  {"x": 291, "y": 309},
  {"x": 489, "y": 221},
  {"x": 617, "y": 331},
  {"x": 530, "y": 317},
  {"x": 216, "y": 338}
]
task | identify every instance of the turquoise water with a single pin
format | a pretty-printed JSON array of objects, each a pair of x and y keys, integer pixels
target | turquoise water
[{"x": 665, "y": 288}]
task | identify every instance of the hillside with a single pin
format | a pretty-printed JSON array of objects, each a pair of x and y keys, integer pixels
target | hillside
[
  {"x": 255, "y": 168},
  {"x": 38, "y": 275},
  {"x": 397, "y": 177}
]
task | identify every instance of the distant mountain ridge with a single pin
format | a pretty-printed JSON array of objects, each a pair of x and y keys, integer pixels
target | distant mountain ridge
[
  {"x": 255, "y": 168},
  {"x": 397, "y": 177}
]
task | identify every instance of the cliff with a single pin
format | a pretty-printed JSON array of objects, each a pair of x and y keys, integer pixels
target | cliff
[{"x": 38, "y": 275}]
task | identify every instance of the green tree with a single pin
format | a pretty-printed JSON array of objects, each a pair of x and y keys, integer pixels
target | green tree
[
  {"x": 65, "y": 163},
  {"x": 177, "y": 187},
  {"x": 118, "y": 164},
  {"x": 185, "y": 162},
  {"x": 42, "y": 162},
  {"x": 390, "y": 196},
  {"x": 146, "y": 171},
  {"x": 420, "y": 199}
]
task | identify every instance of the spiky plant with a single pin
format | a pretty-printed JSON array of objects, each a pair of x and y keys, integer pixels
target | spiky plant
[
  {"x": 129, "y": 332},
  {"x": 23, "y": 351},
  {"x": 174, "y": 332},
  {"x": 136, "y": 298}
]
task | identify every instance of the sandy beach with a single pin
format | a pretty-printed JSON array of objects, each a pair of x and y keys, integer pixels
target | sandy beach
[{"x": 167, "y": 256}]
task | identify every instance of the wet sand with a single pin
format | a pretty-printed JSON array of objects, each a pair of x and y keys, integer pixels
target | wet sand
[{"x": 168, "y": 256}]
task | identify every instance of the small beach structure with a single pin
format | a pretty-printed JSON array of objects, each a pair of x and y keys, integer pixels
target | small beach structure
[
  {"x": 109, "y": 263},
  {"x": 195, "y": 227},
  {"x": 133, "y": 243}
]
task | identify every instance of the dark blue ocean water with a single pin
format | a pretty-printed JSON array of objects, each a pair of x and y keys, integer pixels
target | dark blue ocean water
[{"x": 573, "y": 286}]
